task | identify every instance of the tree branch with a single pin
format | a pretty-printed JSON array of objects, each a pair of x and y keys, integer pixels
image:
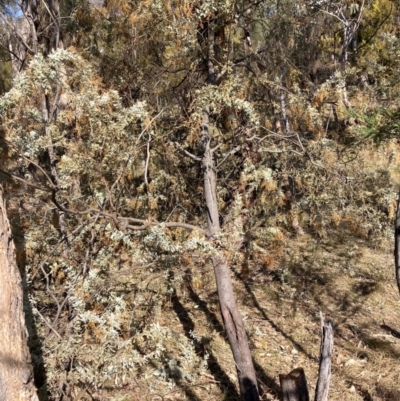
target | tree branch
[
  {"x": 115, "y": 218},
  {"x": 15, "y": 32},
  {"x": 191, "y": 155}
]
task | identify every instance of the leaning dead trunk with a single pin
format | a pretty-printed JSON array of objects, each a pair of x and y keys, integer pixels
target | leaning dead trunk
[
  {"x": 16, "y": 374},
  {"x": 234, "y": 326},
  {"x": 235, "y": 330},
  {"x": 397, "y": 244}
]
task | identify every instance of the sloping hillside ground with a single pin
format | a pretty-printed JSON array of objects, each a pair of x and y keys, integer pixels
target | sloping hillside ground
[
  {"x": 153, "y": 331},
  {"x": 346, "y": 275},
  {"x": 351, "y": 282}
]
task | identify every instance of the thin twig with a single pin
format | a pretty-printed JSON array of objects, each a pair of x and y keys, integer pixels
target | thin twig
[
  {"x": 15, "y": 177},
  {"x": 49, "y": 325},
  {"x": 146, "y": 167},
  {"x": 187, "y": 153}
]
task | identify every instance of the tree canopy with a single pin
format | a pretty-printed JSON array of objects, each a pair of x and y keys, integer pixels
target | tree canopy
[{"x": 117, "y": 119}]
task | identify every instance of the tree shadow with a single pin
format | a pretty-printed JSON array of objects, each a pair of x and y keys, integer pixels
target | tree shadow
[
  {"x": 266, "y": 383},
  {"x": 226, "y": 385},
  {"x": 34, "y": 341},
  {"x": 255, "y": 302},
  {"x": 189, "y": 393},
  {"x": 393, "y": 332}
]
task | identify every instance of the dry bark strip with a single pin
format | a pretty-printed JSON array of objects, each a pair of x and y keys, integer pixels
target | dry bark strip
[
  {"x": 325, "y": 361},
  {"x": 16, "y": 374}
]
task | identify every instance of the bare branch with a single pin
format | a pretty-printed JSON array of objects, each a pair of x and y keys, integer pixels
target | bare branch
[
  {"x": 146, "y": 167},
  {"x": 48, "y": 324},
  {"x": 115, "y": 218},
  {"x": 16, "y": 33},
  {"x": 192, "y": 156},
  {"x": 15, "y": 177},
  {"x": 230, "y": 153}
]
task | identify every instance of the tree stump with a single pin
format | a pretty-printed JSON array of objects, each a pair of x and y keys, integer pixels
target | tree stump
[
  {"x": 294, "y": 386},
  {"x": 324, "y": 375}
]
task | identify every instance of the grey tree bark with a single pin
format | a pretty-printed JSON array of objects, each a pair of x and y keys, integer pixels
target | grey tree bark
[
  {"x": 234, "y": 326},
  {"x": 325, "y": 361},
  {"x": 294, "y": 385},
  {"x": 16, "y": 373}
]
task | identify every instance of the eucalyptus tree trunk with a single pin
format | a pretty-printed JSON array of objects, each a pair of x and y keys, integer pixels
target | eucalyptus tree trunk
[
  {"x": 16, "y": 373},
  {"x": 234, "y": 326},
  {"x": 17, "y": 50}
]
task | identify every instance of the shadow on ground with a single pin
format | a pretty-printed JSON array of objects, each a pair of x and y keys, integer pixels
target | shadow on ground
[{"x": 266, "y": 383}]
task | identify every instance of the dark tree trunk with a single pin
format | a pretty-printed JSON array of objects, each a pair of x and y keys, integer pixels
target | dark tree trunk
[
  {"x": 397, "y": 244},
  {"x": 294, "y": 386}
]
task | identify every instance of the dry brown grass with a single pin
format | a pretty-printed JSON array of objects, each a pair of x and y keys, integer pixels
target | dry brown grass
[
  {"x": 351, "y": 283},
  {"x": 346, "y": 276}
]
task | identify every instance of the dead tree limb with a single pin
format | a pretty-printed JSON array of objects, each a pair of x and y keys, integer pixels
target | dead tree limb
[
  {"x": 294, "y": 385},
  {"x": 324, "y": 375}
]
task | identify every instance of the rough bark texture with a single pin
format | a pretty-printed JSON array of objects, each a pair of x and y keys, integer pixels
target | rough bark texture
[
  {"x": 235, "y": 330},
  {"x": 397, "y": 244},
  {"x": 232, "y": 320},
  {"x": 17, "y": 50},
  {"x": 294, "y": 386},
  {"x": 16, "y": 374},
  {"x": 324, "y": 376}
]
